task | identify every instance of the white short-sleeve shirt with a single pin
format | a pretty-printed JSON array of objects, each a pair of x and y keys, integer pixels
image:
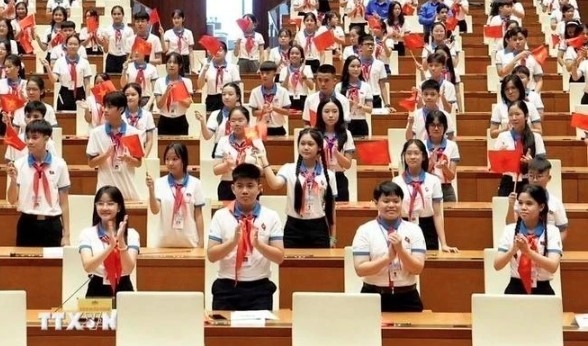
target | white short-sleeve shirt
[
  {"x": 218, "y": 122},
  {"x": 217, "y": 76},
  {"x": 355, "y": 14},
  {"x": 227, "y": 146},
  {"x": 151, "y": 39},
  {"x": 364, "y": 94},
  {"x": 253, "y": 53},
  {"x": 583, "y": 71},
  {"x": 375, "y": 73},
  {"x": 176, "y": 109},
  {"x": 59, "y": 51},
  {"x": 431, "y": 193},
  {"x": 90, "y": 239},
  {"x": 117, "y": 41},
  {"x": 380, "y": 52},
  {"x": 296, "y": 86},
  {"x": 556, "y": 216},
  {"x": 310, "y": 50},
  {"x": 280, "y": 99},
  {"x": 12, "y": 154},
  {"x": 91, "y": 44},
  {"x": 504, "y": 57},
  {"x": 149, "y": 77},
  {"x": 535, "y": 99},
  {"x": 447, "y": 89},
  {"x": 143, "y": 122},
  {"x": 500, "y": 114},
  {"x": 279, "y": 57},
  {"x": 173, "y": 40},
  {"x": 348, "y": 148},
  {"x": 20, "y": 84},
  {"x": 506, "y": 141},
  {"x": 418, "y": 127},
  {"x": 61, "y": 69},
  {"x": 313, "y": 100},
  {"x": 447, "y": 151}
]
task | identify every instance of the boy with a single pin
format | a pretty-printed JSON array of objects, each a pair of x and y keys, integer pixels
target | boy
[
  {"x": 68, "y": 28},
  {"x": 539, "y": 174},
  {"x": 39, "y": 184},
  {"x": 415, "y": 127},
  {"x": 373, "y": 71},
  {"x": 531, "y": 96},
  {"x": 270, "y": 102},
  {"x": 436, "y": 64},
  {"x": 248, "y": 228},
  {"x": 33, "y": 110},
  {"x": 105, "y": 150},
  {"x": 325, "y": 78},
  {"x": 141, "y": 20}
]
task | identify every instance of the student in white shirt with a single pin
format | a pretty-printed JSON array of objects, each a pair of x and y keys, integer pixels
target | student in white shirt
[
  {"x": 215, "y": 75},
  {"x": 249, "y": 47},
  {"x": 500, "y": 13},
  {"x": 141, "y": 21},
  {"x": 178, "y": 199},
  {"x": 325, "y": 78},
  {"x": 359, "y": 94},
  {"x": 114, "y": 41},
  {"x": 388, "y": 253},
  {"x": 507, "y": 60},
  {"x": 245, "y": 237},
  {"x": 415, "y": 127},
  {"x": 305, "y": 39},
  {"x": 461, "y": 9},
  {"x": 311, "y": 190},
  {"x": 531, "y": 96},
  {"x": 137, "y": 70},
  {"x": 233, "y": 150},
  {"x": 180, "y": 40},
  {"x": 533, "y": 241},
  {"x": 355, "y": 11},
  {"x": 373, "y": 72},
  {"x": 91, "y": 40},
  {"x": 305, "y": 6},
  {"x": 296, "y": 77},
  {"x": 331, "y": 23},
  {"x": 44, "y": 207},
  {"x": 518, "y": 11},
  {"x": 353, "y": 48},
  {"x": 7, "y": 35},
  {"x": 52, "y": 37},
  {"x": 339, "y": 147},
  {"x": 93, "y": 109},
  {"x": 447, "y": 95},
  {"x": 139, "y": 118},
  {"x": 109, "y": 248},
  {"x": 383, "y": 45},
  {"x": 13, "y": 84},
  {"x": 528, "y": 143},
  {"x": 279, "y": 54},
  {"x": 35, "y": 92},
  {"x": 439, "y": 37},
  {"x": 68, "y": 28},
  {"x": 105, "y": 150},
  {"x": 396, "y": 28},
  {"x": 571, "y": 29}
]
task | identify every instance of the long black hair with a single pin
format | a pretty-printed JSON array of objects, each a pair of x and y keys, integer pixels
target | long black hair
[
  {"x": 345, "y": 74},
  {"x": 539, "y": 195},
  {"x": 340, "y": 127},
  {"x": 422, "y": 148},
  {"x": 527, "y": 135},
  {"x": 114, "y": 193}
]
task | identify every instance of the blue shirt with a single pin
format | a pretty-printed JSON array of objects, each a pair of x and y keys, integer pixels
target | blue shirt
[
  {"x": 427, "y": 14},
  {"x": 380, "y": 8}
]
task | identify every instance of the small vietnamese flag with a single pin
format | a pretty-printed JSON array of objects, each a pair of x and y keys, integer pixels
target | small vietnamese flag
[
  {"x": 451, "y": 23},
  {"x": 577, "y": 42},
  {"x": 312, "y": 118},
  {"x": 244, "y": 23},
  {"x": 373, "y": 152},
  {"x": 324, "y": 40},
  {"x": 92, "y": 24},
  {"x": 505, "y": 161},
  {"x": 409, "y": 103},
  {"x": 141, "y": 46},
  {"x": 27, "y": 22},
  {"x": 580, "y": 121},
  {"x": 555, "y": 40},
  {"x": 25, "y": 42},
  {"x": 57, "y": 39},
  {"x": 413, "y": 41},
  {"x": 259, "y": 131},
  {"x": 374, "y": 23},
  {"x": 210, "y": 43},
  {"x": 179, "y": 92},
  {"x": 11, "y": 102},
  {"x": 494, "y": 31},
  {"x": 407, "y": 10},
  {"x": 100, "y": 90},
  {"x": 154, "y": 17},
  {"x": 133, "y": 144},
  {"x": 540, "y": 54},
  {"x": 11, "y": 137}
]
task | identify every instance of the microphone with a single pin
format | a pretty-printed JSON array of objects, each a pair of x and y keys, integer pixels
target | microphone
[{"x": 60, "y": 308}]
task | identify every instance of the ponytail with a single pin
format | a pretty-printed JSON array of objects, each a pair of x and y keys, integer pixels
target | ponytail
[
  {"x": 328, "y": 197},
  {"x": 298, "y": 188}
]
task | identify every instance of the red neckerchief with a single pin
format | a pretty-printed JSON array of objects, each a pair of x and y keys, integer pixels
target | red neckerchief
[
  {"x": 141, "y": 74},
  {"x": 295, "y": 77},
  {"x": 73, "y": 73},
  {"x": 366, "y": 69},
  {"x": 179, "y": 202},
  {"x": 353, "y": 93},
  {"x": 219, "y": 75},
  {"x": 180, "y": 35},
  {"x": 240, "y": 148},
  {"x": 14, "y": 86},
  {"x": 389, "y": 230},
  {"x": 250, "y": 42},
  {"x": 40, "y": 175},
  {"x": 416, "y": 190},
  {"x": 310, "y": 185},
  {"x": 455, "y": 9},
  {"x": 359, "y": 10},
  {"x": 116, "y": 139},
  {"x": 112, "y": 263},
  {"x": 133, "y": 118},
  {"x": 244, "y": 245},
  {"x": 525, "y": 267},
  {"x": 309, "y": 39},
  {"x": 118, "y": 33},
  {"x": 331, "y": 146}
]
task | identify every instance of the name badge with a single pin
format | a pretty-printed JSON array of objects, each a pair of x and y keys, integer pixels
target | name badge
[
  {"x": 178, "y": 223},
  {"x": 116, "y": 165}
]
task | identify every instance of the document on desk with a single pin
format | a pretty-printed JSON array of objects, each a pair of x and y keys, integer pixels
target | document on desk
[
  {"x": 52, "y": 252},
  {"x": 253, "y": 315},
  {"x": 582, "y": 320}
]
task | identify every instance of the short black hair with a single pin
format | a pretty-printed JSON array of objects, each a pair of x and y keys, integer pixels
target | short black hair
[
  {"x": 387, "y": 188},
  {"x": 243, "y": 110},
  {"x": 181, "y": 151},
  {"x": 439, "y": 116},
  {"x": 268, "y": 66},
  {"x": 141, "y": 15},
  {"x": 437, "y": 57},
  {"x": 539, "y": 164},
  {"x": 431, "y": 84},
  {"x": 68, "y": 24},
  {"x": 41, "y": 126},
  {"x": 523, "y": 70},
  {"x": 246, "y": 171},
  {"x": 365, "y": 38},
  {"x": 327, "y": 68},
  {"x": 116, "y": 99},
  {"x": 35, "y": 106}
]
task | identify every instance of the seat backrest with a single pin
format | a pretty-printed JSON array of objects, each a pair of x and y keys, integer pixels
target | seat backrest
[
  {"x": 154, "y": 153},
  {"x": 209, "y": 180},
  {"x": 353, "y": 283},
  {"x": 194, "y": 129},
  {"x": 554, "y": 186},
  {"x": 495, "y": 281},
  {"x": 13, "y": 321},
  {"x": 396, "y": 140},
  {"x": 499, "y": 211},
  {"x": 150, "y": 166},
  {"x": 351, "y": 175},
  {"x": 277, "y": 203},
  {"x": 57, "y": 137},
  {"x": 295, "y": 142},
  {"x": 393, "y": 63},
  {"x": 80, "y": 215},
  {"x": 73, "y": 276}
]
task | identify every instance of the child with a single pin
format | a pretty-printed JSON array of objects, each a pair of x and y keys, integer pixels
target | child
[
  {"x": 233, "y": 150},
  {"x": 331, "y": 23},
  {"x": 245, "y": 237},
  {"x": 415, "y": 127},
  {"x": 339, "y": 146},
  {"x": 178, "y": 199},
  {"x": 52, "y": 36},
  {"x": 305, "y": 6},
  {"x": 68, "y": 28},
  {"x": 39, "y": 185},
  {"x": 353, "y": 48},
  {"x": 439, "y": 37},
  {"x": 7, "y": 34},
  {"x": 33, "y": 110},
  {"x": 106, "y": 152},
  {"x": 425, "y": 205},
  {"x": 389, "y": 252},
  {"x": 311, "y": 190},
  {"x": 396, "y": 28},
  {"x": 355, "y": 11},
  {"x": 270, "y": 102},
  {"x": 141, "y": 20},
  {"x": 137, "y": 70},
  {"x": 305, "y": 39},
  {"x": 297, "y": 78},
  {"x": 35, "y": 92},
  {"x": 531, "y": 96},
  {"x": 500, "y": 13},
  {"x": 114, "y": 41},
  {"x": 138, "y": 117},
  {"x": 93, "y": 110},
  {"x": 325, "y": 78},
  {"x": 279, "y": 54},
  {"x": 521, "y": 138},
  {"x": 531, "y": 246},
  {"x": 436, "y": 66},
  {"x": 359, "y": 94},
  {"x": 180, "y": 40},
  {"x": 383, "y": 46},
  {"x": 373, "y": 72},
  {"x": 460, "y": 9},
  {"x": 215, "y": 75},
  {"x": 249, "y": 47},
  {"x": 539, "y": 174},
  {"x": 91, "y": 40},
  {"x": 109, "y": 248},
  {"x": 13, "y": 84},
  {"x": 507, "y": 60}
]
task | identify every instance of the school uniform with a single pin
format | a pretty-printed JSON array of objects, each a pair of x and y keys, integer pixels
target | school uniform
[
  {"x": 349, "y": 51},
  {"x": 313, "y": 100},
  {"x": 446, "y": 151},
  {"x": 429, "y": 49},
  {"x": 505, "y": 56},
  {"x": 96, "y": 112},
  {"x": 47, "y": 38},
  {"x": 92, "y": 47},
  {"x": 308, "y": 228},
  {"x": 60, "y": 51},
  {"x": 311, "y": 54},
  {"x": 116, "y": 56},
  {"x": 155, "y": 42},
  {"x": 461, "y": 16},
  {"x": 278, "y": 97},
  {"x": 356, "y": 14},
  {"x": 557, "y": 213},
  {"x": 517, "y": 6},
  {"x": 142, "y": 120},
  {"x": 16, "y": 87},
  {"x": 380, "y": 52},
  {"x": 583, "y": 71},
  {"x": 19, "y": 117},
  {"x": 241, "y": 153},
  {"x": 216, "y": 76},
  {"x": 12, "y": 154},
  {"x": 249, "y": 287},
  {"x": 396, "y": 44},
  {"x": 280, "y": 58},
  {"x": 447, "y": 89},
  {"x": 535, "y": 99},
  {"x": 40, "y": 224},
  {"x": 145, "y": 75},
  {"x": 93, "y": 238},
  {"x": 218, "y": 123},
  {"x": 570, "y": 55},
  {"x": 13, "y": 45},
  {"x": 72, "y": 86},
  {"x": 548, "y": 240},
  {"x": 362, "y": 94},
  {"x": 113, "y": 171},
  {"x": 422, "y": 194},
  {"x": 180, "y": 41},
  {"x": 177, "y": 227},
  {"x": 418, "y": 127},
  {"x": 500, "y": 115},
  {"x": 249, "y": 51},
  {"x": 373, "y": 72},
  {"x": 172, "y": 119},
  {"x": 330, "y": 148},
  {"x": 506, "y": 141},
  {"x": 297, "y": 89},
  {"x": 396, "y": 286}
]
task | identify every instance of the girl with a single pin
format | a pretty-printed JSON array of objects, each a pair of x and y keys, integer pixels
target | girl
[
  {"x": 21, "y": 13},
  {"x": 249, "y": 47},
  {"x": 331, "y": 23},
  {"x": 389, "y": 252},
  {"x": 511, "y": 90},
  {"x": 353, "y": 49},
  {"x": 355, "y": 11},
  {"x": 305, "y": 39},
  {"x": 531, "y": 96},
  {"x": 572, "y": 29},
  {"x": 52, "y": 36},
  {"x": 180, "y": 40},
  {"x": 396, "y": 28},
  {"x": 520, "y": 137},
  {"x": 13, "y": 83},
  {"x": 359, "y": 94},
  {"x": 305, "y": 6},
  {"x": 531, "y": 246},
  {"x": 90, "y": 39},
  {"x": 438, "y": 37},
  {"x": 339, "y": 147},
  {"x": 449, "y": 72},
  {"x": 138, "y": 117},
  {"x": 114, "y": 40},
  {"x": 424, "y": 205},
  {"x": 576, "y": 59},
  {"x": 279, "y": 54},
  {"x": 109, "y": 248},
  {"x": 215, "y": 74},
  {"x": 143, "y": 73},
  {"x": 73, "y": 73},
  {"x": 518, "y": 11},
  {"x": 383, "y": 45},
  {"x": 461, "y": 9},
  {"x": 311, "y": 191},
  {"x": 93, "y": 111},
  {"x": 443, "y": 153},
  {"x": 297, "y": 78},
  {"x": 35, "y": 88},
  {"x": 4, "y": 52},
  {"x": 500, "y": 13},
  {"x": 233, "y": 150},
  {"x": 172, "y": 119},
  {"x": 178, "y": 199},
  {"x": 7, "y": 34}
]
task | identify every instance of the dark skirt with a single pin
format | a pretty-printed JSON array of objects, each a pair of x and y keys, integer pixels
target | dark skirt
[
  {"x": 342, "y": 187},
  {"x": 186, "y": 65},
  {"x": 584, "y": 99},
  {"x": 97, "y": 288},
  {"x": 358, "y": 128},
  {"x": 114, "y": 63},
  {"x": 276, "y": 131},
  {"x": 399, "y": 47},
  {"x": 448, "y": 193},
  {"x": 297, "y": 104},
  {"x": 377, "y": 102},
  {"x": 400, "y": 301},
  {"x": 213, "y": 102},
  {"x": 66, "y": 101},
  {"x": 243, "y": 295},
  {"x": 463, "y": 26},
  {"x": 177, "y": 126},
  {"x": 224, "y": 191},
  {"x": 515, "y": 286},
  {"x": 247, "y": 66},
  {"x": 31, "y": 232},
  {"x": 507, "y": 186},
  {"x": 306, "y": 234}
]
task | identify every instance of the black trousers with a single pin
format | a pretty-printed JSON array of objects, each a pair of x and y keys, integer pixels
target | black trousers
[
  {"x": 507, "y": 185},
  {"x": 177, "y": 126},
  {"x": 463, "y": 26},
  {"x": 186, "y": 65},
  {"x": 377, "y": 102},
  {"x": 297, "y": 104},
  {"x": 399, "y": 47},
  {"x": 358, "y": 128},
  {"x": 342, "y": 187},
  {"x": 243, "y": 295},
  {"x": 114, "y": 63},
  {"x": 409, "y": 301},
  {"x": 224, "y": 191},
  {"x": 515, "y": 286},
  {"x": 314, "y": 65},
  {"x": 276, "y": 131},
  {"x": 584, "y": 99},
  {"x": 67, "y": 100},
  {"x": 31, "y": 232},
  {"x": 427, "y": 225},
  {"x": 97, "y": 288},
  {"x": 213, "y": 102},
  {"x": 306, "y": 234}
]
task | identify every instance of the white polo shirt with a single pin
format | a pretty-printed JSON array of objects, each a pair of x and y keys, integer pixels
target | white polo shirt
[
  {"x": 348, "y": 148},
  {"x": 279, "y": 57},
  {"x": 312, "y": 103},
  {"x": 84, "y": 36},
  {"x": 295, "y": 89},
  {"x": 90, "y": 239},
  {"x": 96, "y": 111},
  {"x": 461, "y": 14},
  {"x": 226, "y": 146},
  {"x": 315, "y": 198},
  {"x": 583, "y": 71},
  {"x": 355, "y": 18},
  {"x": 380, "y": 52},
  {"x": 371, "y": 242},
  {"x": 176, "y": 109},
  {"x": 430, "y": 49},
  {"x": 553, "y": 245},
  {"x": 181, "y": 231},
  {"x": 535, "y": 99},
  {"x": 12, "y": 154},
  {"x": 226, "y": 73},
  {"x": 280, "y": 99},
  {"x": 400, "y": 29},
  {"x": 377, "y": 72},
  {"x": 446, "y": 151},
  {"x": 152, "y": 39},
  {"x": 19, "y": 117},
  {"x": 143, "y": 123},
  {"x": 253, "y": 54},
  {"x": 150, "y": 76},
  {"x": 349, "y": 51},
  {"x": 500, "y": 114},
  {"x": 116, "y": 45},
  {"x": 310, "y": 50},
  {"x": 59, "y": 51},
  {"x": 447, "y": 89},
  {"x": 61, "y": 69},
  {"x": 504, "y": 57},
  {"x": 505, "y": 141},
  {"x": 58, "y": 177},
  {"x": 557, "y": 213},
  {"x": 113, "y": 171},
  {"x": 418, "y": 127},
  {"x": 21, "y": 87},
  {"x": 218, "y": 122},
  {"x": 173, "y": 40},
  {"x": 222, "y": 230},
  {"x": 431, "y": 193},
  {"x": 364, "y": 94}
]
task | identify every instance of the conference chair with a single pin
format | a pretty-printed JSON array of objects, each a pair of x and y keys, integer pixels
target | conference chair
[
  {"x": 276, "y": 203},
  {"x": 351, "y": 175},
  {"x": 194, "y": 125},
  {"x": 80, "y": 215},
  {"x": 353, "y": 282},
  {"x": 396, "y": 140},
  {"x": 150, "y": 166},
  {"x": 57, "y": 137},
  {"x": 13, "y": 321},
  {"x": 499, "y": 211},
  {"x": 74, "y": 279},
  {"x": 495, "y": 281},
  {"x": 554, "y": 187}
]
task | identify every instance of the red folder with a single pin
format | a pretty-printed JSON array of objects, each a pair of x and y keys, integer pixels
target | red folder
[
  {"x": 409, "y": 103},
  {"x": 407, "y": 10},
  {"x": 244, "y": 23},
  {"x": 451, "y": 23},
  {"x": 312, "y": 118},
  {"x": 374, "y": 23},
  {"x": 373, "y": 152},
  {"x": 25, "y": 42},
  {"x": 133, "y": 144}
]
